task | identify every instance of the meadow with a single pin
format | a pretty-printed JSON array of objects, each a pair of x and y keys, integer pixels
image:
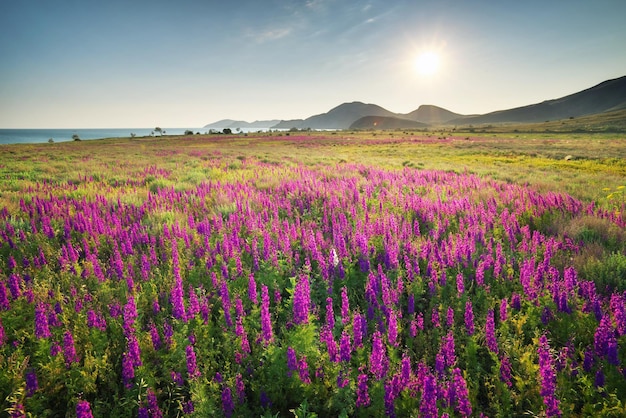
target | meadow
[{"x": 306, "y": 274}]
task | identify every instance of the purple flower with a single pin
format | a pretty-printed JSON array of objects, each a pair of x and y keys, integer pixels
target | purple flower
[
  {"x": 194, "y": 305},
  {"x": 83, "y": 410},
  {"x": 503, "y": 309},
  {"x": 188, "y": 407},
  {"x": 505, "y": 371},
  {"x": 450, "y": 318},
  {"x": 547, "y": 378},
  {"x": 252, "y": 289},
  {"x": 463, "y": 406},
  {"x": 265, "y": 400},
  {"x": 345, "y": 306},
  {"x": 599, "y": 380},
  {"x": 154, "y": 335},
  {"x": 177, "y": 293},
  {"x": 14, "y": 286},
  {"x": 4, "y": 300},
  {"x": 168, "y": 333},
  {"x": 292, "y": 360},
  {"x": 225, "y": 296},
  {"x": 435, "y": 317},
  {"x": 128, "y": 370},
  {"x": 192, "y": 368},
  {"x": 302, "y": 301},
  {"x": 460, "y": 286},
  {"x": 605, "y": 342},
  {"x": 69, "y": 351},
  {"x": 428, "y": 403},
  {"x": 2, "y": 334},
  {"x": 115, "y": 310},
  {"x": 303, "y": 370},
  {"x": 447, "y": 349},
  {"x": 41, "y": 322},
  {"x": 358, "y": 327},
  {"x": 177, "y": 378},
  {"x": 411, "y": 305},
  {"x": 326, "y": 336},
  {"x": 345, "y": 349},
  {"x": 266, "y": 323},
  {"x": 392, "y": 328},
  {"x": 546, "y": 315},
  {"x": 490, "y": 332},
  {"x": 390, "y": 396},
  {"x": 227, "y": 402},
  {"x": 153, "y": 405},
  {"x": 516, "y": 302},
  {"x": 618, "y": 307},
  {"x": 31, "y": 383},
  {"x": 378, "y": 358},
  {"x": 241, "y": 388},
  {"x": 362, "y": 394}
]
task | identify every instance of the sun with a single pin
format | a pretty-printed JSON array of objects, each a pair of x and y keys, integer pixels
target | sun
[{"x": 427, "y": 63}]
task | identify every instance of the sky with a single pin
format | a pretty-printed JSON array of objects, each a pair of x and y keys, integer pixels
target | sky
[{"x": 132, "y": 64}]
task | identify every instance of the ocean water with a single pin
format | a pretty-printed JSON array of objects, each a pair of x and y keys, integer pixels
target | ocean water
[{"x": 33, "y": 136}]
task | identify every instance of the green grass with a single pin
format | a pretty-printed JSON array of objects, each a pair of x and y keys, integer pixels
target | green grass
[{"x": 587, "y": 166}]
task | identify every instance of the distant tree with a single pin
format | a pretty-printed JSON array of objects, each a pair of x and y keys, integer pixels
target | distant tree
[
  {"x": 51, "y": 141},
  {"x": 227, "y": 131},
  {"x": 159, "y": 130},
  {"x": 75, "y": 137},
  {"x": 132, "y": 135},
  {"x": 188, "y": 132}
]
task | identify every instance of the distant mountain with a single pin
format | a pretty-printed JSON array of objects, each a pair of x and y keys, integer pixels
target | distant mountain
[
  {"x": 384, "y": 122},
  {"x": 234, "y": 124},
  {"x": 606, "y": 96},
  {"x": 288, "y": 124},
  {"x": 432, "y": 115},
  {"x": 340, "y": 117}
]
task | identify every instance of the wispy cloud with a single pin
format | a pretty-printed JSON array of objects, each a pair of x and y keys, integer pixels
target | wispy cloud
[{"x": 272, "y": 34}]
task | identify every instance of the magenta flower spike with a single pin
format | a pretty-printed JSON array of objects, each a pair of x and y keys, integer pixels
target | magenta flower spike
[
  {"x": 490, "y": 332},
  {"x": 192, "y": 368},
  {"x": 69, "y": 351},
  {"x": 463, "y": 406},
  {"x": 547, "y": 377},
  {"x": 301, "y": 301},
  {"x": 330, "y": 314},
  {"x": 41, "y": 321},
  {"x": 252, "y": 292},
  {"x": 428, "y": 404},
  {"x": 379, "y": 363},
  {"x": 266, "y": 323},
  {"x": 83, "y": 410}
]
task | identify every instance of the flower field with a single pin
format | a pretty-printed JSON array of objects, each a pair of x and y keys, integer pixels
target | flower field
[{"x": 134, "y": 287}]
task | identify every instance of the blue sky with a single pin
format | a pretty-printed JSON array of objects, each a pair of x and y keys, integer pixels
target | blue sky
[{"x": 105, "y": 64}]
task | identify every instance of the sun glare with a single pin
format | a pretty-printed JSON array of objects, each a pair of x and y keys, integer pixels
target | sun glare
[{"x": 427, "y": 63}]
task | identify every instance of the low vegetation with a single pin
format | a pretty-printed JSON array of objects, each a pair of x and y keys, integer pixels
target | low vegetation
[{"x": 331, "y": 274}]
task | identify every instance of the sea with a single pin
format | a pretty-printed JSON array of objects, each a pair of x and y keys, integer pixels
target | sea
[{"x": 34, "y": 136}]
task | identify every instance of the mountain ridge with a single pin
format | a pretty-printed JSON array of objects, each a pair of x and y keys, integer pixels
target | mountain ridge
[{"x": 607, "y": 96}]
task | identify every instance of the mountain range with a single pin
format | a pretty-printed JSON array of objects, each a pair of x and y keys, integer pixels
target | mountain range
[{"x": 608, "y": 96}]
